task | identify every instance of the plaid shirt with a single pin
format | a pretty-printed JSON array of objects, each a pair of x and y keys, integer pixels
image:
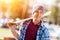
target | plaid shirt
[{"x": 42, "y": 33}]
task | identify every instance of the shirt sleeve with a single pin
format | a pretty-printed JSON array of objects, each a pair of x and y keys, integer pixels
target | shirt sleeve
[
  {"x": 45, "y": 35},
  {"x": 20, "y": 28}
]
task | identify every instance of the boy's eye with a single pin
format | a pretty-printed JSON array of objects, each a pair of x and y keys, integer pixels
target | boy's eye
[{"x": 36, "y": 11}]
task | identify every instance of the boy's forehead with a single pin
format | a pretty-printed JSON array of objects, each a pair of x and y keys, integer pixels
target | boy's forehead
[{"x": 38, "y": 10}]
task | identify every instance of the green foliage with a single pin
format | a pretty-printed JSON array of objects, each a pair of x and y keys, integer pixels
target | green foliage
[{"x": 55, "y": 15}]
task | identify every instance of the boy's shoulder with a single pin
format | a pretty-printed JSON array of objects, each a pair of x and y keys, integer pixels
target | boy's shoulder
[{"x": 26, "y": 21}]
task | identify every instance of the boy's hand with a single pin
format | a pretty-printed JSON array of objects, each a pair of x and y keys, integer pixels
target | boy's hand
[{"x": 11, "y": 24}]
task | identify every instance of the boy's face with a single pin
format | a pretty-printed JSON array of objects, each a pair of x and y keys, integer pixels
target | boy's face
[{"x": 37, "y": 15}]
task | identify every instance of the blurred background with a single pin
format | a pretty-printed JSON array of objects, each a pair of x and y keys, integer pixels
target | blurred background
[{"x": 15, "y": 10}]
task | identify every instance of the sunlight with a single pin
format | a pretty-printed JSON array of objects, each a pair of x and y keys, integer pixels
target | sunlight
[
  {"x": 7, "y": 1},
  {"x": 49, "y": 2}
]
